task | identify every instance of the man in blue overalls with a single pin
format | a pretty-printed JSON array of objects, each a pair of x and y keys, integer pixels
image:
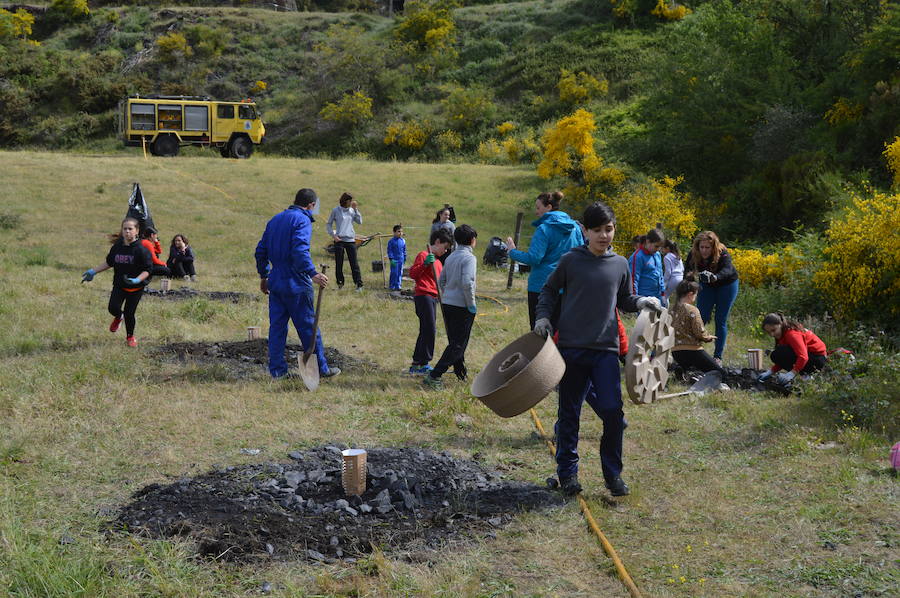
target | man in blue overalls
[{"x": 289, "y": 281}]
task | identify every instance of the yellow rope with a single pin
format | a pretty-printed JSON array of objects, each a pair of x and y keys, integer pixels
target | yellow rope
[{"x": 589, "y": 517}]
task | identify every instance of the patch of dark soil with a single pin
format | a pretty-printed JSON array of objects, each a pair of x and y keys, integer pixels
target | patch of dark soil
[
  {"x": 415, "y": 500},
  {"x": 189, "y": 293},
  {"x": 254, "y": 352},
  {"x": 402, "y": 295}
]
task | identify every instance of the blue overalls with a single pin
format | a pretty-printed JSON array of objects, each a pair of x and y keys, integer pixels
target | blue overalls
[
  {"x": 396, "y": 252},
  {"x": 285, "y": 245}
]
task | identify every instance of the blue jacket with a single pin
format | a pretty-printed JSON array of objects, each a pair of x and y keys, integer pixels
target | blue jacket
[
  {"x": 556, "y": 234},
  {"x": 396, "y": 249},
  {"x": 646, "y": 274},
  {"x": 285, "y": 245}
]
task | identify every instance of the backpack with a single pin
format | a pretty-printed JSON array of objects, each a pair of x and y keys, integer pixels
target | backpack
[{"x": 495, "y": 252}]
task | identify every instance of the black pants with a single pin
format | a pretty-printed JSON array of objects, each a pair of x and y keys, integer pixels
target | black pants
[
  {"x": 784, "y": 356},
  {"x": 426, "y": 307},
  {"x": 696, "y": 360},
  {"x": 131, "y": 300},
  {"x": 181, "y": 268},
  {"x": 532, "y": 308},
  {"x": 458, "y": 321},
  {"x": 158, "y": 270},
  {"x": 350, "y": 247}
]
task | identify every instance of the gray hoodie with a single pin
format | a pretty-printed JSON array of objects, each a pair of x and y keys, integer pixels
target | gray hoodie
[
  {"x": 340, "y": 222},
  {"x": 457, "y": 278},
  {"x": 592, "y": 287}
]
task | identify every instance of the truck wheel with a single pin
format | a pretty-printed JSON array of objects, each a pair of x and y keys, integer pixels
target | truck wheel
[
  {"x": 166, "y": 145},
  {"x": 241, "y": 148},
  {"x": 225, "y": 150}
]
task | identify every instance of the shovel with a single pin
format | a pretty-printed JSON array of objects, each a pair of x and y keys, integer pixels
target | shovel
[
  {"x": 308, "y": 361},
  {"x": 709, "y": 381}
]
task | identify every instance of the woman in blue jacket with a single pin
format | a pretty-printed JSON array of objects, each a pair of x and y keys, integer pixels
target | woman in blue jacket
[{"x": 556, "y": 234}]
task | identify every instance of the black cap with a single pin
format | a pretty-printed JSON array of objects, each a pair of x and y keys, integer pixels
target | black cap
[
  {"x": 305, "y": 197},
  {"x": 149, "y": 230}
]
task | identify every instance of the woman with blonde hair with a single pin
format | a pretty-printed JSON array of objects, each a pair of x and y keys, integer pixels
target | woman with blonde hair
[{"x": 709, "y": 263}]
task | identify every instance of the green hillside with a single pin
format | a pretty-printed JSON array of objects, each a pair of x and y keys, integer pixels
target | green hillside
[{"x": 763, "y": 106}]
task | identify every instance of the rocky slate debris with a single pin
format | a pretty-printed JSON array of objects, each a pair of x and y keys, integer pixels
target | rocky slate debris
[
  {"x": 189, "y": 293},
  {"x": 255, "y": 352},
  {"x": 415, "y": 500}
]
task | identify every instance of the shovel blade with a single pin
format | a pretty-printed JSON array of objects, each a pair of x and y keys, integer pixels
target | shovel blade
[{"x": 309, "y": 370}]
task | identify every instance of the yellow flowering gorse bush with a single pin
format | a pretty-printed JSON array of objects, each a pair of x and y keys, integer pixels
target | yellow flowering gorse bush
[
  {"x": 505, "y": 128},
  {"x": 640, "y": 206},
  {"x": 409, "y": 134},
  {"x": 448, "y": 141},
  {"x": 17, "y": 24},
  {"x": 351, "y": 109},
  {"x": 670, "y": 11},
  {"x": 259, "y": 87},
  {"x": 843, "y": 111},
  {"x": 577, "y": 88},
  {"x": 755, "y": 268},
  {"x": 860, "y": 270},
  {"x": 892, "y": 157}
]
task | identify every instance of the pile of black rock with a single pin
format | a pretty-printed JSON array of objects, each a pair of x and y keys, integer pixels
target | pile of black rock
[{"x": 415, "y": 500}]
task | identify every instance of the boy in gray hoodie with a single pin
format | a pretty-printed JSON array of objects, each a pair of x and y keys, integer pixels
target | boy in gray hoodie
[
  {"x": 591, "y": 281},
  {"x": 457, "y": 285}
]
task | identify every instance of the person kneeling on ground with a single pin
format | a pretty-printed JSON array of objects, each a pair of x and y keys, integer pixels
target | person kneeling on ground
[
  {"x": 181, "y": 259},
  {"x": 457, "y": 284},
  {"x": 689, "y": 331},
  {"x": 797, "y": 349},
  {"x": 591, "y": 281}
]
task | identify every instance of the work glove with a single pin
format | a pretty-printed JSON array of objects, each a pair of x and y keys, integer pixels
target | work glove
[
  {"x": 393, "y": 263},
  {"x": 542, "y": 327},
  {"x": 764, "y": 376},
  {"x": 89, "y": 275},
  {"x": 472, "y": 309},
  {"x": 429, "y": 259},
  {"x": 651, "y": 303},
  {"x": 708, "y": 277},
  {"x": 134, "y": 281},
  {"x": 784, "y": 378}
]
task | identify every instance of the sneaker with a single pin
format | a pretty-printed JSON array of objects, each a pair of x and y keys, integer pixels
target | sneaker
[
  {"x": 186, "y": 278},
  {"x": 432, "y": 383},
  {"x": 193, "y": 278},
  {"x": 419, "y": 370},
  {"x": 340, "y": 286},
  {"x": 462, "y": 374},
  {"x": 359, "y": 289},
  {"x": 332, "y": 372},
  {"x": 570, "y": 486},
  {"x": 115, "y": 324},
  {"x": 132, "y": 342},
  {"x": 617, "y": 487}
]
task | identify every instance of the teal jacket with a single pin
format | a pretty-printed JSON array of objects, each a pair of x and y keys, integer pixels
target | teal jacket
[{"x": 556, "y": 234}]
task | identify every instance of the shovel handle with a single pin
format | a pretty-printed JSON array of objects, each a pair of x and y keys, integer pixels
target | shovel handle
[{"x": 315, "y": 330}]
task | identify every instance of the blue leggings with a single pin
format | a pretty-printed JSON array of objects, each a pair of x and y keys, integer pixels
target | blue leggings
[{"x": 721, "y": 299}]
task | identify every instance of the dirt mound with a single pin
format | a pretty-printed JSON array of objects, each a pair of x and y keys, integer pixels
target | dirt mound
[
  {"x": 189, "y": 293},
  {"x": 415, "y": 500},
  {"x": 256, "y": 352}
]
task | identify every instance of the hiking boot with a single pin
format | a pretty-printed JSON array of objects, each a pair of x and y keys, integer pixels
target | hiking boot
[
  {"x": 332, "y": 372},
  {"x": 114, "y": 325},
  {"x": 432, "y": 383},
  {"x": 132, "y": 342},
  {"x": 570, "y": 486},
  {"x": 617, "y": 487}
]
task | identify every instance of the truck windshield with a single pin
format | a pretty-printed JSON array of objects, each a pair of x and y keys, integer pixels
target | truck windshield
[{"x": 247, "y": 112}]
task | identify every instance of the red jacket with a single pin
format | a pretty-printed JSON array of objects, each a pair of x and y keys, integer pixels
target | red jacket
[
  {"x": 804, "y": 343},
  {"x": 155, "y": 250},
  {"x": 423, "y": 275}
]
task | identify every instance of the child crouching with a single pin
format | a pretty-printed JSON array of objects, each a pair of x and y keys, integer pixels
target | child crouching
[{"x": 593, "y": 281}]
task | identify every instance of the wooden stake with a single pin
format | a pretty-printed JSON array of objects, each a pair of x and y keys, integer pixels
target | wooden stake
[
  {"x": 381, "y": 251},
  {"x": 512, "y": 262}
]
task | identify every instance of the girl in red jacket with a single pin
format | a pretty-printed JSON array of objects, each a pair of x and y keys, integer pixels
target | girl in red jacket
[
  {"x": 150, "y": 240},
  {"x": 797, "y": 349},
  {"x": 425, "y": 296}
]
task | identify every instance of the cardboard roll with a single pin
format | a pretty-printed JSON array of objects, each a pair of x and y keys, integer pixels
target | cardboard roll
[
  {"x": 649, "y": 351},
  {"x": 520, "y": 375}
]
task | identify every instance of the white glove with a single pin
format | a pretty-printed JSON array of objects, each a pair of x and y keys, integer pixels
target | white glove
[
  {"x": 543, "y": 328},
  {"x": 764, "y": 376},
  {"x": 649, "y": 303},
  {"x": 785, "y": 377}
]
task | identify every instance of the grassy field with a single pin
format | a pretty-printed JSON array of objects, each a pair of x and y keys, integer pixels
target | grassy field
[{"x": 732, "y": 494}]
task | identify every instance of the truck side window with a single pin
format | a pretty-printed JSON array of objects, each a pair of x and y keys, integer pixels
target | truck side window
[
  {"x": 246, "y": 112},
  {"x": 224, "y": 111}
]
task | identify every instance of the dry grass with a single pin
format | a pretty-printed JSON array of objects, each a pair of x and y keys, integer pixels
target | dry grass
[{"x": 730, "y": 493}]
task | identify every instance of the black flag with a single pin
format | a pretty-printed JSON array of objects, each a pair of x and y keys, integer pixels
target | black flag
[{"x": 137, "y": 208}]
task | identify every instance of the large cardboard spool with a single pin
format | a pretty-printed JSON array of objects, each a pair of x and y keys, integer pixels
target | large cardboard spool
[
  {"x": 520, "y": 375},
  {"x": 649, "y": 351}
]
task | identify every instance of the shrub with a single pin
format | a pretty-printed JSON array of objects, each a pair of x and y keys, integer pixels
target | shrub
[
  {"x": 892, "y": 157},
  {"x": 206, "y": 42},
  {"x": 352, "y": 109},
  {"x": 173, "y": 46},
  {"x": 428, "y": 32},
  {"x": 409, "y": 135},
  {"x": 640, "y": 206},
  {"x": 466, "y": 107},
  {"x": 448, "y": 141},
  {"x": 259, "y": 87},
  {"x": 65, "y": 11},
  {"x": 670, "y": 11},
  {"x": 578, "y": 88},
  {"x": 16, "y": 24},
  {"x": 9, "y": 221},
  {"x": 505, "y": 128},
  {"x": 860, "y": 271},
  {"x": 755, "y": 268}
]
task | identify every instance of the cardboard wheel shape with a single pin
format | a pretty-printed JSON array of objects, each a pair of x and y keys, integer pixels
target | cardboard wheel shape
[
  {"x": 649, "y": 351},
  {"x": 520, "y": 375}
]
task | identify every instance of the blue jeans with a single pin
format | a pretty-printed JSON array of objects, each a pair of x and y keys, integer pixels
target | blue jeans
[
  {"x": 297, "y": 307},
  {"x": 721, "y": 298},
  {"x": 591, "y": 376}
]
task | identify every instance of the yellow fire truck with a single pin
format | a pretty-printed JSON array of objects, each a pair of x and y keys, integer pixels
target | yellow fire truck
[{"x": 165, "y": 123}]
